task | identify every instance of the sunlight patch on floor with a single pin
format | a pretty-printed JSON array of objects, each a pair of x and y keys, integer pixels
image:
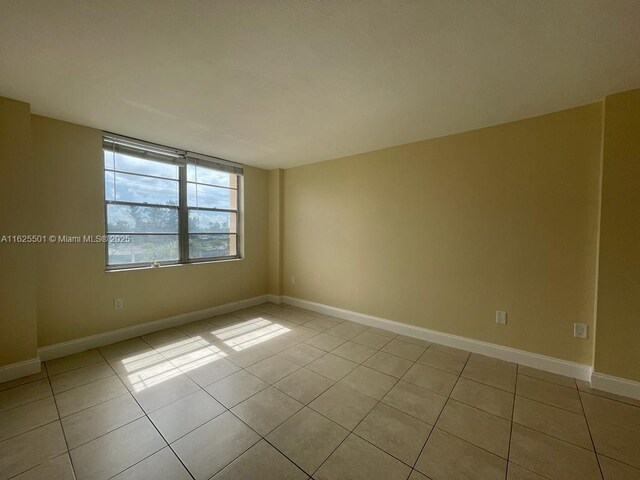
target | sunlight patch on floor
[
  {"x": 141, "y": 361},
  {"x": 257, "y": 336},
  {"x": 240, "y": 328},
  {"x": 149, "y": 369},
  {"x": 152, "y": 376}
]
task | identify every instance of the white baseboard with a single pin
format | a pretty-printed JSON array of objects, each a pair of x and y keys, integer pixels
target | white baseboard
[
  {"x": 277, "y": 299},
  {"x": 617, "y": 385},
  {"x": 81, "y": 344},
  {"x": 20, "y": 369},
  {"x": 600, "y": 381},
  {"x": 534, "y": 360}
]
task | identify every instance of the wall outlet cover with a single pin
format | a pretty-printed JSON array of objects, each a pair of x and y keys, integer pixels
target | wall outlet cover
[
  {"x": 501, "y": 317},
  {"x": 580, "y": 330}
]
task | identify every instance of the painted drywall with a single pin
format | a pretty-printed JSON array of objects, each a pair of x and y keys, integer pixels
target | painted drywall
[
  {"x": 75, "y": 294},
  {"x": 17, "y": 263},
  {"x": 618, "y": 321},
  {"x": 275, "y": 230},
  {"x": 444, "y": 232}
]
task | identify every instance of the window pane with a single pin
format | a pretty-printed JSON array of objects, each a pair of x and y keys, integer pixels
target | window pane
[
  {"x": 108, "y": 158},
  {"x": 211, "y": 197},
  {"x": 138, "y": 219},
  {"x": 201, "y": 174},
  {"x": 203, "y": 221},
  {"x": 133, "y": 188},
  {"x": 109, "y": 189},
  {"x": 144, "y": 249},
  {"x": 203, "y": 246},
  {"x": 128, "y": 163}
]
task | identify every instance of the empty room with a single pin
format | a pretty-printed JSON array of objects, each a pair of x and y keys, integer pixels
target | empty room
[{"x": 319, "y": 240}]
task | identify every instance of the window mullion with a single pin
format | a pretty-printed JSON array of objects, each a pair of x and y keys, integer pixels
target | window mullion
[{"x": 183, "y": 216}]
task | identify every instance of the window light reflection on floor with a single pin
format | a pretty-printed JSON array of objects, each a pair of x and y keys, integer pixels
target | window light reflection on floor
[
  {"x": 153, "y": 375},
  {"x": 199, "y": 357},
  {"x": 178, "y": 349},
  {"x": 240, "y": 328},
  {"x": 151, "y": 368},
  {"x": 257, "y": 336},
  {"x": 141, "y": 361}
]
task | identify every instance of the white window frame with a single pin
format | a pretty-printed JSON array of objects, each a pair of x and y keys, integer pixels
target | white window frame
[{"x": 180, "y": 158}]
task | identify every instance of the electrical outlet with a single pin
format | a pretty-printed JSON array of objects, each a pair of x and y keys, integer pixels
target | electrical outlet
[
  {"x": 118, "y": 304},
  {"x": 293, "y": 279},
  {"x": 501, "y": 317},
  {"x": 580, "y": 330}
]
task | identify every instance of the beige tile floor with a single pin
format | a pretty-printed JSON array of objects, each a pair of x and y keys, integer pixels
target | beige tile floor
[{"x": 277, "y": 392}]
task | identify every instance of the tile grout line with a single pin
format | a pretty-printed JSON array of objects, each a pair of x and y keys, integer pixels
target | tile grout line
[
  {"x": 263, "y": 437},
  {"x": 74, "y": 368},
  {"x": 593, "y": 444},
  {"x": 64, "y": 435},
  {"x": 151, "y": 422},
  {"x": 44, "y": 425},
  {"x": 547, "y": 434},
  {"x": 168, "y": 444},
  {"x": 380, "y": 401},
  {"x": 602, "y": 394},
  {"x": 83, "y": 384},
  {"x": 352, "y": 431},
  {"x": 537, "y": 400},
  {"x": 633, "y": 467},
  {"x": 144, "y": 413},
  {"x": 513, "y": 409},
  {"x": 440, "y": 413},
  {"x": 333, "y": 421},
  {"x": 27, "y": 403},
  {"x": 60, "y": 418},
  {"x": 284, "y": 454},
  {"x": 516, "y": 423},
  {"x": 30, "y": 382},
  {"x": 260, "y": 437},
  {"x": 272, "y": 354},
  {"x": 379, "y": 349},
  {"x": 31, "y": 429},
  {"x": 128, "y": 392},
  {"x": 279, "y": 353},
  {"x": 100, "y": 403}
]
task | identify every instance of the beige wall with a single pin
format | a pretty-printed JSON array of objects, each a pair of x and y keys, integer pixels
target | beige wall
[
  {"x": 75, "y": 294},
  {"x": 275, "y": 230},
  {"x": 439, "y": 234},
  {"x": 444, "y": 232},
  {"x": 17, "y": 274},
  {"x": 618, "y": 327}
]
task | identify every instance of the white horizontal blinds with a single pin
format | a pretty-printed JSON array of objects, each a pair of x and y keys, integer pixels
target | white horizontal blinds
[
  {"x": 137, "y": 148},
  {"x": 216, "y": 163},
  {"x": 160, "y": 153}
]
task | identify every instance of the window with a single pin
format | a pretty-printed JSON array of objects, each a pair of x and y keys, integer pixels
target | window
[{"x": 167, "y": 206}]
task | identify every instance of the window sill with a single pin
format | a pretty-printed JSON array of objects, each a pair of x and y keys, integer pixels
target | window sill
[{"x": 170, "y": 265}]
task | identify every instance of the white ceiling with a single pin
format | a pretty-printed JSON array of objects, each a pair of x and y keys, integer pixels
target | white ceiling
[{"x": 281, "y": 83}]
